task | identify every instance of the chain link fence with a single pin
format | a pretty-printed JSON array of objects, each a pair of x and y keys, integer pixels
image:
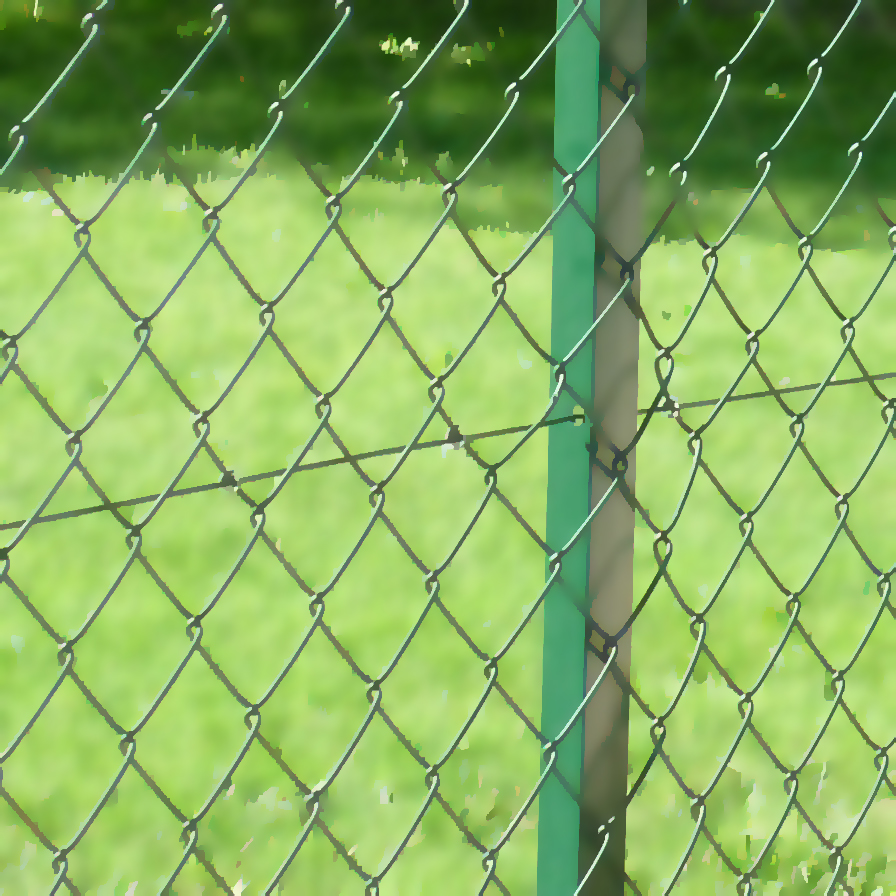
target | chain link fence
[
  {"x": 602, "y": 780},
  {"x": 784, "y": 563}
]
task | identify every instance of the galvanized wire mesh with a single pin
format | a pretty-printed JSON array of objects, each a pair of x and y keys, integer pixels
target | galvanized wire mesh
[
  {"x": 15, "y": 353},
  {"x": 15, "y": 347},
  {"x": 757, "y": 867}
]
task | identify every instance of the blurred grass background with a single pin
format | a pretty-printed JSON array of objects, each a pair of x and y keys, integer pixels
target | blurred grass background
[{"x": 127, "y": 654}]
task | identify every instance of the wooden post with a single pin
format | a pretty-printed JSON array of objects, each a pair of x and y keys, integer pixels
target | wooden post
[{"x": 623, "y": 33}]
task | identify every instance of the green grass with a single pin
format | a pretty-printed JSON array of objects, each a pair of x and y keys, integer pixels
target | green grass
[
  {"x": 76, "y": 352},
  {"x": 82, "y": 343},
  {"x": 745, "y": 447}
]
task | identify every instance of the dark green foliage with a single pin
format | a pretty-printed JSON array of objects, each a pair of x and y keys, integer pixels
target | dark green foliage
[
  {"x": 698, "y": 41},
  {"x": 145, "y": 46}
]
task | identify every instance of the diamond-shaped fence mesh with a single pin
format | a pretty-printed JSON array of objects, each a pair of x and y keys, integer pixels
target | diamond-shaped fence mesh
[{"x": 294, "y": 525}]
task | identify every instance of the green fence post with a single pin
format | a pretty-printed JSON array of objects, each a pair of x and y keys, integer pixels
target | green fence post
[
  {"x": 586, "y": 279},
  {"x": 576, "y": 130}
]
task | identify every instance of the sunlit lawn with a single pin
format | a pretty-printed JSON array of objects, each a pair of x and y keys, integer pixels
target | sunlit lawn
[
  {"x": 77, "y": 350},
  {"x": 745, "y": 447},
  {"x": 83, "y": 342}
]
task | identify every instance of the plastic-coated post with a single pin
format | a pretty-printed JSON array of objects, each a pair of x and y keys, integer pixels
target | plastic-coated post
[
  {"x": 576, "y": 131},
  {"x": 597, "y": 575}
]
